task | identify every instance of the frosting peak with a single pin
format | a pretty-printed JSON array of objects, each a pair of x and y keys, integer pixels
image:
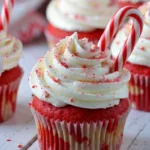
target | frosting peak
[
  {"x": 75, "y": 72},
  {"x": 10, "y": 50}
]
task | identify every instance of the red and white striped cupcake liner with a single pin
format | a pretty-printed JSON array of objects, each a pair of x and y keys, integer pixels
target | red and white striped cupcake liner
[
  {"x": 62, "y": 135},
  {"x": 139, "y": 92},
  {"x": 8, "y": 99}
]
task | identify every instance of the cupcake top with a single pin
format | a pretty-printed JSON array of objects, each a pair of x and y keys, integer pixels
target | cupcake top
[
  {"x": 141, "y": 52},
  {"x": 74, "y": 15},
  {"x": 77, "y": 73},
  {"x": 10, "y": 50}
]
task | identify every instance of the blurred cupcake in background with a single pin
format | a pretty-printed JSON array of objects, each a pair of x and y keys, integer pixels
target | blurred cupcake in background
[
  {"x": 138, "y": 63},
  {"x": 10, "y": 51},
  {"x": 89, "y": 18},
  {"x": 26, "y": 22},
  {"x": 134, "y": 3}
]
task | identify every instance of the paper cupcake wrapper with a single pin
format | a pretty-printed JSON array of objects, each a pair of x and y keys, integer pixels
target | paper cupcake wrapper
[
  {"x": 139, "y": 92},
  {"x": 62, "y": 135},
  {"x": 8, "y": 96}
]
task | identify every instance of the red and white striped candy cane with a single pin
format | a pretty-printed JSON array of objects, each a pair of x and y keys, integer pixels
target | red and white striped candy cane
[
  {"x": 6, "y": 13},
  {"x": 131, "y": 40}
]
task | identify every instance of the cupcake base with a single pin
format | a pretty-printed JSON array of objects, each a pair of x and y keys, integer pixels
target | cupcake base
[
  {"x": 9, "y": 84},
  {"x": 54, "y": 35},
  {"x": 59, "y": 130},
  {"x": 139, "y": 86}
]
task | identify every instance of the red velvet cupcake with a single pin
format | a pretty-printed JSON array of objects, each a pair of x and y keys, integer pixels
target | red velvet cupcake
[
  {"x": 79, "y": 103},
  {"x": 134, "y": 3},
  {"x": 67, "y": 17},
  {"x": 11, "y": 51},
  {"x": 138, "y": 63},
  {"x": 69, "y": 127},
  {"x": 139, "y": 86}
]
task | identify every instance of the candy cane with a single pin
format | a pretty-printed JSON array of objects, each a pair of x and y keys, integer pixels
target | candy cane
[
  {"x": 6, "y": 13},
  {"x": 133, "y": 37}
]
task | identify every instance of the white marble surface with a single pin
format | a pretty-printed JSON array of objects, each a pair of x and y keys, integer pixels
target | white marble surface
[{"x": 20, "y": 129}]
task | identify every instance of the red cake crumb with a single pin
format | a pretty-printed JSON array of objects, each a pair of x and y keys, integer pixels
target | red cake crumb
[
  {"x": 84, "y": 66},
  {"x": 71, "y": 100},
  {"x": 8, "y": 140},
  {"x": 19, "y": 146}
]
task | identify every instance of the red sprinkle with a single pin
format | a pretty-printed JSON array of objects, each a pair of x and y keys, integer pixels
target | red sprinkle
[
  {"x": 46, "y": 94},
  {"x": 76, "y": 54},
  {"x": 71, "y": 100},
  {"x": 84, "y": 66},
  {"x": 30, "y": 104},
  {"x": 34, "y": 86},
  {"x": 142, "y": 48},
  {"x": 8, "y": 140},
  {"x": 56, "y": 80},
  {"x": 76, "y": 16},
  {"x": 64, "y": 64},
  {"x": 93, "y": 50},
  {"x": 20, "y": 146},
  {"x": 38, "y": 72},
  {"x": 14, "y": 51},
  {"x": 117, "y": 43}
]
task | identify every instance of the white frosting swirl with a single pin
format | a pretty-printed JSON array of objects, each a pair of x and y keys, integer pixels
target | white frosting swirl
[
  {"x": 74, "y": 15},
  {"x": 141, "y": 52},
  {"x": 10, "y": 50},
  {"x": 75, "y": 72}
]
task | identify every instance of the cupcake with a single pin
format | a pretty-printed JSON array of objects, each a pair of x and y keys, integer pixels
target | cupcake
[
  {"x": 10, "y": 51},
  {"x": 138, "y": 62},
  {"x": 88, "y": 18},
  {"x": 78, "y": 103},
  {"x": 134, "y": 3}
]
